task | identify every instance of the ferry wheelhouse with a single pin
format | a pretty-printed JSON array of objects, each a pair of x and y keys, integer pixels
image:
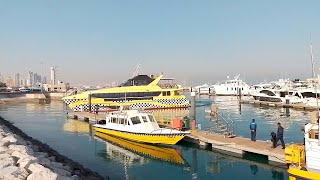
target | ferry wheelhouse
[
  {"x": 139, "y": 92},
  {"x": 138, "y": 126}
]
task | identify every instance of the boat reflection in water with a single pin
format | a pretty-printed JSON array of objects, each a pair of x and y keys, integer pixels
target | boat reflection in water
[
  {"x": 131, "y": 152},
  {"x": 76, "y": 126}
]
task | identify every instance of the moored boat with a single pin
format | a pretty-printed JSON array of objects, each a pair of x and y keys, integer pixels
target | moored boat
[
  {"x": 303, "y": 159},
  {"x": 232, "y": 87},
  {"x": 138, "y": 126},
  {"x": 139, "y": 92}
]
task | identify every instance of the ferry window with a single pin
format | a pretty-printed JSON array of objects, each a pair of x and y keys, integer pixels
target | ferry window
[
  {"x": 241, "y": 88},
  {"x": 121, "y": 121},
  {"x": 313, "y": 134},
  {"x": 164, "y": 93},
  {"x": 144, "y": 118},
  {"x": 231, "y": 89},
  {"x": 168, "y": 93},
  {"x": 113, "y": 120},
  {"x": 176, "y": 93},
  {"x": 151, "y": 118},
  {"x": 135, "y": 120},
  {"x": 227, "y": 89}
]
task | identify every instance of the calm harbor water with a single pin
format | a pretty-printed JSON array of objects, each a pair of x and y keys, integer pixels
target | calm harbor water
[{"x": 120, "y": 159}]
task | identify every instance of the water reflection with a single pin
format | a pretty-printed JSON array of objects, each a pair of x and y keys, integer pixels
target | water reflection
[
  {"x": 76, "y": 126},
  {"x": 131, "y": 152}
]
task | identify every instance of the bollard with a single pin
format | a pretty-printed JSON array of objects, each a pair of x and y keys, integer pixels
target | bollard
[
  {"x": 193, "y": 106},
  {"x": 193, "y": 125}
]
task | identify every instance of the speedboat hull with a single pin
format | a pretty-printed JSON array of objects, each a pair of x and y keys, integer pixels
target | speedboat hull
[
  {"x": 152, "y": 138},
  {"x": 167, "y": 154},
  {"x": 296, "y": 173}
]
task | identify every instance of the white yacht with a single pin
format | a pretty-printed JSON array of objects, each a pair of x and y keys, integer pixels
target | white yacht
[
  {"x": 232, "y": 87},
  {"x": 203, "y": 89},
  {"x": 308, "y": 96},
  {"x": 272, "y": 95}
]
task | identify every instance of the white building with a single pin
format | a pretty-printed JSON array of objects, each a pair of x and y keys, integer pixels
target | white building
[
  {"x": 30, "y": 79},
  {"x": 17, "y": 80},
  {"x": 53, "y": 75},
  {"x": 1, "y": 79}
]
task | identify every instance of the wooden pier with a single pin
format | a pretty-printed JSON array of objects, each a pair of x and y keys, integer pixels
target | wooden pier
[
  {"x": 298, "y": 106},
  {"x": 236, "y": 146}
]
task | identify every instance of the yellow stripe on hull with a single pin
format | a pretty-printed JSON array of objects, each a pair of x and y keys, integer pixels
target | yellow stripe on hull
[
  {"x": 145, "y": 138},
  {"x": 163, "y": 153},
  {"x": 297, "y": 173}
]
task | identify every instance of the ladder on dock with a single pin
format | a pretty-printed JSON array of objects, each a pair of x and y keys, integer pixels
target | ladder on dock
[{"x": 222, "y": 123}]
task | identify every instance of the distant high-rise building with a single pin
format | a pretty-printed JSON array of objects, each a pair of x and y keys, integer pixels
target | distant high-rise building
[
  {"x": 25, "y": 82},
  {"x": 17, "y": 80},
  {"x": 30, "y": 79},
  {"x": 36, "y": 79},
  {"x": 1, "y": 79},
  {"x": 44, "y": 79},
  {"x": 22, "y": 82},
  {"x": 53, "y": 75},
  {"x": 9, "y": 82}
]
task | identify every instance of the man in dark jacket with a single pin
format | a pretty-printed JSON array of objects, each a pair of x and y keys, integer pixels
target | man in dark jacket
[
  {"x": 253, "y": 129},
  {"x": 280, "y": 135}
]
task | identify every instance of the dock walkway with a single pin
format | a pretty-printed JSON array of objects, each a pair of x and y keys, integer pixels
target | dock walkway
[
  {"x": 299, "y": 106},
  {"x": 237, "y": 146},
  {"x": 87, "y": 116}
]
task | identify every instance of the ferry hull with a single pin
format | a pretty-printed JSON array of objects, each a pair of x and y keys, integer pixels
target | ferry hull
[
  {"x": 162, "y": 153},
  {"x": 297, "y": 174},
  {"x": 145, "y": 138}
]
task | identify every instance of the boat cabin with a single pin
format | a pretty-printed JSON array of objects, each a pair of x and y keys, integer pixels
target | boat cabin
[{"x": 130, "y": 120}]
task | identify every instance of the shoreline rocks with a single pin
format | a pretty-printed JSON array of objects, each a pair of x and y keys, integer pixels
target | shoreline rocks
[{"x": 22, "y": 157}]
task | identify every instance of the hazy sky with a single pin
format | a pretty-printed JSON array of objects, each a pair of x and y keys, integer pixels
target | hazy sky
[{"x": 94, "y": 42}]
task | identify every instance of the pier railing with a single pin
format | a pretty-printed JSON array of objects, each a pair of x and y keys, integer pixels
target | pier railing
[{"x": 223, "y": 123}]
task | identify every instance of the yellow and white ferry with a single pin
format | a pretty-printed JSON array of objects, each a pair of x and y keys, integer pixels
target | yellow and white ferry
[
  {"x": 138, "y": 126},
  {"x": 304, "y": 160},
  {"x": 139, "y": 92}
]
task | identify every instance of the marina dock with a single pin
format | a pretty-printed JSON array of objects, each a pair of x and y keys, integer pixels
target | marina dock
[
  {"x": 87, "y": 116},
  {"x": 236, "y": 146},
  {"x": 298, "y": 106}
]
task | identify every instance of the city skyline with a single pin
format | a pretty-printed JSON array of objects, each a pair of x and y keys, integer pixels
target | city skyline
[{"x": 194, "y": 42}]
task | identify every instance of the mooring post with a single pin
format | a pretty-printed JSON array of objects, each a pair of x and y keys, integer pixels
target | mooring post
[
  {"x": 193, "y": 110},
  {"x": 89, "y": 101}
]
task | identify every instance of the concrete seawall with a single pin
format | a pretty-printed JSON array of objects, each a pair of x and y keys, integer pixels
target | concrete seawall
[{"x": 30, "y": 96}]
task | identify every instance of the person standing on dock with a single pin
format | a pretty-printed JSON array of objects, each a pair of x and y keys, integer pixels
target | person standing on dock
[
  {"x": 253, "y": 128},
  {"x": 280, "y": 135}
]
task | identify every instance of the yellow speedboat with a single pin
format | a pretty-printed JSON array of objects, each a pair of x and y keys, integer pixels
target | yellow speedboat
[
  {"x": 138, "y": 126},
  {"x": 140, "y": 92},
  {"x": 162, "y": 153},
  {"x": 304, "y": 160}
]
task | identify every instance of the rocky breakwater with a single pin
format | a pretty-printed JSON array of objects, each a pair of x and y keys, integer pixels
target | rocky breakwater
[{"x": 22, "y": 157}]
